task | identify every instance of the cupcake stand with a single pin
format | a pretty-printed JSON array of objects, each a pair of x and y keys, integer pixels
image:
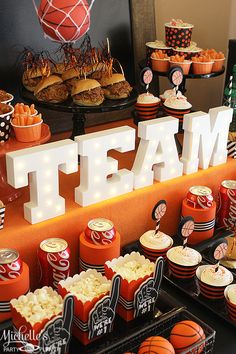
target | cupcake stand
[{"x": 7, "y": 193}]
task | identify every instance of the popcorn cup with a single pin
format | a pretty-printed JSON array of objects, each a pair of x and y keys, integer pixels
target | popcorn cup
[
  {"x": 5, "y": 125},
  {"x": 92, "y": 317},
  {"x": 128, "y": 304},
  {"x": 210, "y": 291},
  {"x": 161, "y": 65},
  {"x": 147, "y": 110},
  {"x": 2, "y": 214},
  {"x": 8, "y": 101},
  {"x": 231, "y": 307},
  {"x": 177, "y": 36},
  {"x": 218, "y": 65},
  {"x": 180, "y": 271},
  {"x": 13, "y": 288},
  {"x": 185, "y": 65},
  {"x": 28, "y": 133},
  {"x": 201, "y": 68}
]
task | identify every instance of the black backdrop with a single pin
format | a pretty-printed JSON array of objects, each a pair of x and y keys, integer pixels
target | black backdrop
[{"x": 19, "y": 28}]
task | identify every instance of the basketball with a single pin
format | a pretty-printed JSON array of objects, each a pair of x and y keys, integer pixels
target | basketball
[
  {"x": 156, "y": 345},
  {"x": 185, "y": 334},
  {"x": 64, "y": 20}
]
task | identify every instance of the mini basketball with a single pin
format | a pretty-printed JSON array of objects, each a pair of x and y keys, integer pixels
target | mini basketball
[
  {"x": 186, "y": 334},
  {"x": 64, "y": 20},
  {"x": 156, "y": 345}
]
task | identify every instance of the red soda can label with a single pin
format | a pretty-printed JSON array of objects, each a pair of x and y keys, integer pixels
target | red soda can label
[
  {"x": 200, "y": 197},
  {"x": 100, "y": 231},
  {"x": 54, "y": 260},
  {"x": 10, "y": 264},
  {"x": 226, "y": 210}
]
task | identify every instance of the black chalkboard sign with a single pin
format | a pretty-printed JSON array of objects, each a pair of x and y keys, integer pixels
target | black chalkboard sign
[{"x": 19, "y": 28}]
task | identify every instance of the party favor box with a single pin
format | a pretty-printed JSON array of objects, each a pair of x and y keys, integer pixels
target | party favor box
[
  {"x": 95, "y": 301},
  {"x": 42, "y": 321},
  {"x": 140, "y": 283}
]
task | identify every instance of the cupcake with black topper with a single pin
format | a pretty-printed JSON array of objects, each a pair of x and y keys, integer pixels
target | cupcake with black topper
[
  {"x": 183, "y": 260},
  {"x": 155, "y": 243},
  {"x": 214, "y": 278}
]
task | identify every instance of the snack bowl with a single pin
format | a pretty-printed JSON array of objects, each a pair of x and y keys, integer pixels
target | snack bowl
[
  {"x": 212, "y": 291},
  {"x": 8, "y": 101},
  {"x": 28, "y": 133},
  {"x": 231, "y": 306},
  {"x": 182, "y": 271},
  {"x": 161, "y": 65},
  {"x": 185, "y": 65},
  {"x": 5, "y": 126},
  {"x": 218, "y": 65},
  {"x": 202, "y": 68}
]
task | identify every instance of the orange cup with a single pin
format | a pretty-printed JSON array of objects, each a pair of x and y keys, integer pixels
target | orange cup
[
  {"x": 201, "y": 68},
  {"x": 230, "y": 306},
  {"x": 218, "y": 65},
  {"x": 28, "y": 133},
  {"x": 161, "y": 65},
  {"x": 147, "y": 110},
  {"x": 185, "y": 65}
]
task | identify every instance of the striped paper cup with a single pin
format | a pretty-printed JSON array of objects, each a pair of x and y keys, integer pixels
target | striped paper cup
[
  {"x": 207, "y": 290},
  {"x": 181, "y": 271},
  {"x": 231, "y": 307},
  {"x": 177, "y": 113},
  {"x": 153, "y": 252},
  {"x": 147, "y": 110}
]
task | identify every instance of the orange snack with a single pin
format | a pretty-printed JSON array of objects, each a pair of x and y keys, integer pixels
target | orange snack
[
  {"x": 177, "y": 58},
  {"x": 21, "y": 108},
  {"x": 159, "y": 54},
  {"x": 156, "y": 344},
  {"x": 185, "y": 334}
]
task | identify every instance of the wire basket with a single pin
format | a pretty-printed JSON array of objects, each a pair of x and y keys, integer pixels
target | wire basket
[{"x": 163, "y": 328}]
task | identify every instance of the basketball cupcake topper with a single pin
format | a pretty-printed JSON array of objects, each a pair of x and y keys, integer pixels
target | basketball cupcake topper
[
  {"x": 218, "y": 251},
  {"x": 158, "y": 212},
  {"x": 185, "y": 228},
  {"x": 146, "y": 77},
  {"x": 176, "y": 77}
]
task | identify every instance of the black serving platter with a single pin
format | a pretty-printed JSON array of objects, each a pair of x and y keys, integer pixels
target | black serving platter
[{"x": 191, "y": 288}]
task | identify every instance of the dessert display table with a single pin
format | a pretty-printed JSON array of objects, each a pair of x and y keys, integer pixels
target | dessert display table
[
  {"x": 78, "y": 112},
  {"x": 7, "y": 193},
  {"x": 130, "y": 225}
]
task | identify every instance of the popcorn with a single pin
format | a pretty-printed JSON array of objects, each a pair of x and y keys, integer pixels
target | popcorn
[
  {"x": 87, "y": 285},
  {"x": 132, "y": 267},
  {"x": 42, "y": 304}
]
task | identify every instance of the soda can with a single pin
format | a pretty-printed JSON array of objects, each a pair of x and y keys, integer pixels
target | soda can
[
  {"x": 100, "y": 231},
  {"x": 54, "y": 261},
  {"x": 10, "y": 264},
  {"x": 200, "y": 197},
  {"x": 226, "y": 209}
]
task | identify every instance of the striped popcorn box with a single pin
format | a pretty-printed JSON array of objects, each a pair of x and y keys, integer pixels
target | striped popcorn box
[
  {"x": 2, "y": 214},
  {"x": 231, "y": 147}
]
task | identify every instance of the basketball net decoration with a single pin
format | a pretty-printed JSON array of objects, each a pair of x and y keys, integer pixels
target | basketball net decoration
[
  {"x": 185, "y": 229},
  {"x": 64, "y": 21},
  {"x": 158, "y": 212},
  {"x": 218, "y": 252}
]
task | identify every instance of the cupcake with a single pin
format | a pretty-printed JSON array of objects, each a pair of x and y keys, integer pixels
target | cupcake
[
  {"x": 177, "y": 106},
  {"x": 147, "y": 106},
  {"x": 169, "y": 93},
  {"x": 212, "y": 283},
  {"x": 154, "y": 246},
  {"x": 230, "y": 297},
  {"x": 183, "y": 261},
  {"x": 178, "y": 33}
]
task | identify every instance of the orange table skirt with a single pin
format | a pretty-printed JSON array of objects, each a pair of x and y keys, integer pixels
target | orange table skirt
[{"x": 131, "y": 213}]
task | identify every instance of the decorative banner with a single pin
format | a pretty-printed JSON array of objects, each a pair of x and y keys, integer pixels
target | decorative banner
[
  {"x": 42, "y": 164},
  {"x": 205, "y": 138},
  {"x": 157, "y": 155},
  {"x": 146, "y": 295},
  {"x": 95, "y": 166},
  {"x": 102, "y": 316}
]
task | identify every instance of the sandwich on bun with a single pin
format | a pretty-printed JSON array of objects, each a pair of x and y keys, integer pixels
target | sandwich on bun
[
  {"x": 51, "y": 89},
  {"x": 31, "y": 78},
  {"x": 69, "y": 76},
  {"x": 87, "y": 92},
  {"x": 115, "y": 86}
]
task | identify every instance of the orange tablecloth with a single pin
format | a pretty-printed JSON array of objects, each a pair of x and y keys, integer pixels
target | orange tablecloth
[{"x": 131, "y": 213}]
